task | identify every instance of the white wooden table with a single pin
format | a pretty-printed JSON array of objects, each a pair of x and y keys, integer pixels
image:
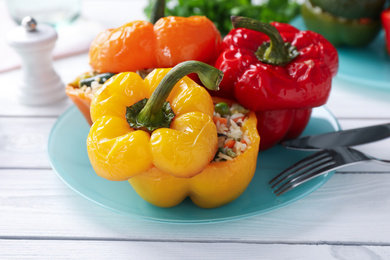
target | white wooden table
[{"x": 40, "y": 217}]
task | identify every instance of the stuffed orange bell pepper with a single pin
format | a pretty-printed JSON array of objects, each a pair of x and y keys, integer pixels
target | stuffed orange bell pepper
[
  {"x": 159, "y": 134},
  {"x": 161, "y": 43},
  {"x": 142, "y": 46}
]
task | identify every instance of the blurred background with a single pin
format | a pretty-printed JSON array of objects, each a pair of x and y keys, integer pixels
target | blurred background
[{"x": 79, "y": 21}]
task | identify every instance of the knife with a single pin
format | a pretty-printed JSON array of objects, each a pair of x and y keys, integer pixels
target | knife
[{"x": 344, "y": 138}]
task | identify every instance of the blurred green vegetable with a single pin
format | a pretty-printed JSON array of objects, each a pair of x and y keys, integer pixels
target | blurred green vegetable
[{"x": 219, "y": 11}]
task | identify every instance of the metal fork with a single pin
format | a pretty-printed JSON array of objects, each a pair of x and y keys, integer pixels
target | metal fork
[{"x": 318, "y": 164}]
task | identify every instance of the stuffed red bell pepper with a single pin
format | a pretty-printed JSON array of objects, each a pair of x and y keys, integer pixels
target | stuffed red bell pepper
[
  {"x": 278, "y": 71},
  {"x": 385, "y": 17}
]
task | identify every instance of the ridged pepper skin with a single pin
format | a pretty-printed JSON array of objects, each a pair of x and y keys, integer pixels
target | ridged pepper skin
[
  {"x": 218, "y": 184},
  {"x": 385, "y": 18},
  {"x": 140, "y": 45},
  {"x": 282, "y": 96},
  {"x": 118, "y": 152},
  {"x": 277, "y": 125}
]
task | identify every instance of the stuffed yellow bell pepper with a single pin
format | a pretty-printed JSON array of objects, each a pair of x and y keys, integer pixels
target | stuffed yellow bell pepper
[
  {"x": 159, "y": 134},
  {"x": 221, "y": 182}
]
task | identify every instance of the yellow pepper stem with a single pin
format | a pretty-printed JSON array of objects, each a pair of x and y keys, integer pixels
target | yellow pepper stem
[{"x": 156, "y": 112}]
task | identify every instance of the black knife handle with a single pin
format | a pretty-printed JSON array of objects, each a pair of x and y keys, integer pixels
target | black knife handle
[{"x": 344, "y": 138}]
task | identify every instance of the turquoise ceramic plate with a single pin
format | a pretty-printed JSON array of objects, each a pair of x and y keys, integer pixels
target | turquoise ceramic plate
[
  {"x": 368, "y": 66},
  {"x": 69, "y": 159}
]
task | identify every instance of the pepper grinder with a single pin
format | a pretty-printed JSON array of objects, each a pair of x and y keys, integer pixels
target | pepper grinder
[{"x": 40, "y": 84}]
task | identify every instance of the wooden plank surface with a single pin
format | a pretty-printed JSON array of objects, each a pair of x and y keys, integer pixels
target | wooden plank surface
[
  {"x": 140, "y": 250},
  {"x": 348, "y": 209}
]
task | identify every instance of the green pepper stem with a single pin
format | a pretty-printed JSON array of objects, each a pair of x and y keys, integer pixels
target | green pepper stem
[
  {"x": 153, "y": 113},
  {"x": 276, "y": 52},
  {"x": 158, "y": 11}
]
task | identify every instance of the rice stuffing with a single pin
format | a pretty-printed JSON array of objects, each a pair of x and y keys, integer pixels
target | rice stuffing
[
  {"x": 90, "y": 91},
  {"x": 90, "y": 83},
  {"x": 232, "y": 140}
]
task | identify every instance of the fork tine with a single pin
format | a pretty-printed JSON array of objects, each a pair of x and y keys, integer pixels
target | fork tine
[
  {"x": 306, "y": 176},
  {"x": 305, "y": 169},
  {"x": 302, "y": 168},
  {"x": 318, "y": 164},
  {"x": 298, "y": 165}
]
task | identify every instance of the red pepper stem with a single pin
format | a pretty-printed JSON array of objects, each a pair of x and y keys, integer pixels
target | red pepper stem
[
  {"x": 276, "y": 52},
  {"x": 158, "y": 11},
  {"x": 152, "y": 113}
]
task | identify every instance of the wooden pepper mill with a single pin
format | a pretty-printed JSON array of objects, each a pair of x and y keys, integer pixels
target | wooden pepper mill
[{"x": 40, "y": 84}]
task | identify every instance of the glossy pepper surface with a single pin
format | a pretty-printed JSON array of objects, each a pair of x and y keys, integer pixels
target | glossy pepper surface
[
  {"x": 119, "y": 150},
  {"x": 278, "y": 71},
  {"x": 218, "y": 184},
  {"x": 140, "y": 45},
  {"x": 165, "y": 165},
  {"x": 385, "y": 17}
]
